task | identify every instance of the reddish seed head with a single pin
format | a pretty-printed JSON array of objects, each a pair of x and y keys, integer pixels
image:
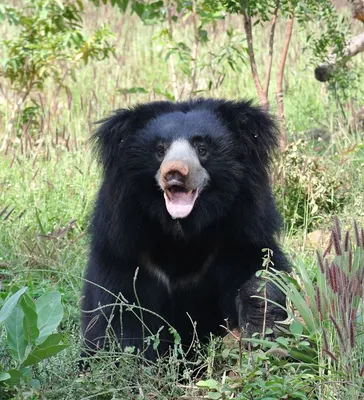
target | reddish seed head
[
  {"x": 318, "y": 302},
  {"x": 347, "y": 241},
  {"x": 350, "y": 260},
  {"x": 331, "y": 355},
  {"x": 330, "y": 279},
  {"x": 353, "y": 314},
  {"x": 337, "y": 244},
  {"x": 326, "y": 343},
  {"x": 320, "y": 261},
  {"x": 335, "y": 277}
]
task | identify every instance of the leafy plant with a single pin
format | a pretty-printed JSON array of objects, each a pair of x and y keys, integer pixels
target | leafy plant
[
  {"x": 50, "y": 43},
  {"x": 261, "y": 377},
  {"x": 327, "y": 315},
  {"x": 29, "y": 327},
  {"x": 306, "y": 188},
  {"x": 324, "y": 339}
]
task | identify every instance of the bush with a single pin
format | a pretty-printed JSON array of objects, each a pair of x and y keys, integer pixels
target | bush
[
  {"x": 306, "y": 188},
  {"x": 29, "y": 327},
  {"x": 327, "y": 316}
]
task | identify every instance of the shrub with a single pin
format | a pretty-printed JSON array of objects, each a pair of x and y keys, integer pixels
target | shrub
[
  {"x": 306, "y": 188},
  {"x": 29, "y": 327},
  {"x": 327, "y": 315}
]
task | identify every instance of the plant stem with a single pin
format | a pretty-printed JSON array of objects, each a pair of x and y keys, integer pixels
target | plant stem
[
  {"x": 195, "y": 48},
  {"x": 280, "y": 74},
  {"x": 172, "y": 67},
  {"x": 271, "y": 46},
  {"x": 249, "y": 37}
]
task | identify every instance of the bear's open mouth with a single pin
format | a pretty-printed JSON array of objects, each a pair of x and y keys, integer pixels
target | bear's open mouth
[{"x": 179, "y": 200}]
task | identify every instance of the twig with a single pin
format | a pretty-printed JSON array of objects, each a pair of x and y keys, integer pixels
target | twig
[
  {"x": 271, "y": 46},
  {"x": 195, "y": 48},
  {"x": 279, "y": 92},
  {"x": 140, "y": 308},
  {"x": 171, "y": 63},
  {"x": 249, "y": 37}
]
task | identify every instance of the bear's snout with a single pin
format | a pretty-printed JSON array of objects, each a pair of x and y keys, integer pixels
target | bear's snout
[{"x": 174, "y": 173}]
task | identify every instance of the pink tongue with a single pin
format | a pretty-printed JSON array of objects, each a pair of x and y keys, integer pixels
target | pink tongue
[{"x": 180, "y": 204}]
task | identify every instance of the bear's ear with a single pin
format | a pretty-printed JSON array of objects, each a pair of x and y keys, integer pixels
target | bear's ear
[
  {"x": 254, "y": 128},
  {"x": 110, "y": 135},
  {"x": 115, "y": 130}
]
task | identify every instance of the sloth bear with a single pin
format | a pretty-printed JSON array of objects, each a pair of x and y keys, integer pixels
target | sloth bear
[{"x": 183, "y": 213}]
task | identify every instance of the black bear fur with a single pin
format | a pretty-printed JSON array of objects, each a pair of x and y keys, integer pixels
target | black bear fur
[{"x": 210, "y": 258}]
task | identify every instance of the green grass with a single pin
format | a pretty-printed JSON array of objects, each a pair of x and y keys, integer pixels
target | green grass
[{"x": 47, "y": 192}]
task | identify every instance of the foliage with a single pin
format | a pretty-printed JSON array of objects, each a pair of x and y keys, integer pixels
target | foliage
[
  {"x": 50, "y": 33},
  {"x": 261, "y": 375},
  {"x": 306, "y": 189},
  {"x": 327, "y": 314},
  {"x": 50, "y": 44},
  {"x": 29, "y": 327},
  {"x": 325, "y": 335}
]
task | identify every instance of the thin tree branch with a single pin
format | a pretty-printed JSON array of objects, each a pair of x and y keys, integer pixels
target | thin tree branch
[
  {"x": 171, "y": 64},
  {"x": 271, "y": 46},
  {"x": 195, "y": 48},
  {"x": 253, "y": 65},
  {"x": 279, "y": 92}
]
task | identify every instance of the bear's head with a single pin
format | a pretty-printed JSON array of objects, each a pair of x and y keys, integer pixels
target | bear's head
[{"x": 188, "y": 165}]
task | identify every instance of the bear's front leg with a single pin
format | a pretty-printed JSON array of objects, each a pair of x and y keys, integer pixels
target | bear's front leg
[
  {"x": 117, "y": 309},
  {"x": 255, "y": 314}
]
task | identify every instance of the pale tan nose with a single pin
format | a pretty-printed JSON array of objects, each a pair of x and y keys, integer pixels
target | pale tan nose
[{"x": 173, "y": 166}]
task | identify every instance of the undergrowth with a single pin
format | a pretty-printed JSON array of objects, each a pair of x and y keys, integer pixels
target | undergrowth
[{"x": 48, "y": 182}]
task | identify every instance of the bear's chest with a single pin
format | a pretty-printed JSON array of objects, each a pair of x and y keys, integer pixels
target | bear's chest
[{"x": 178, "y": 268}]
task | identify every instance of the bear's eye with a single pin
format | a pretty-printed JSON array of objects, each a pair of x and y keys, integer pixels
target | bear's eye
[
  {"x": 201, "y": 150},
  {"x": 160, "y": 151}
]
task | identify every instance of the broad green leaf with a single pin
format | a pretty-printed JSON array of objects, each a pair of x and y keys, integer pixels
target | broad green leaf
[
  {"x": 11, "y": 303},
  {"x": 15, "y": 377},
  {"x": 208, "y": 384},
  {"x": 4, "y": 376},
  {"x": 15, "y": 331},
  {"x": 263, "y": 342},
  {"x": 225, "y": 353},
  {"x": 50, "y": 313},
  {"x": 39, "y": 354},
  {"x": 306, "y": 355},
  {"x": 31, "y": 330},
  {"x": 296, "y": 328},
  {"x": 51, "y": 340},
  {"x": 214, "y": 396},
  {"x": 35, "y": 383}
]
